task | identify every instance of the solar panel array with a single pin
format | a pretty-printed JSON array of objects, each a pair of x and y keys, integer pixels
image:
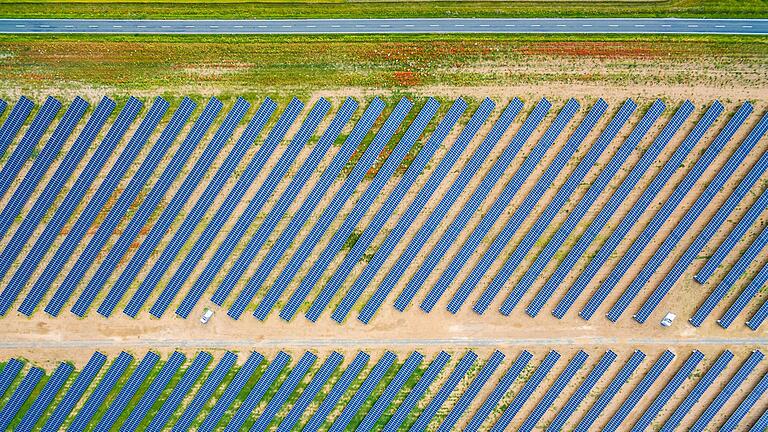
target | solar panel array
[
  {"x": 385, "y": 395},
  {"x": 191, "y": 213}
]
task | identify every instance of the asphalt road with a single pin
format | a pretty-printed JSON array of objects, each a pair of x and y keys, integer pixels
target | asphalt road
[{"x": 372, "y": 26}]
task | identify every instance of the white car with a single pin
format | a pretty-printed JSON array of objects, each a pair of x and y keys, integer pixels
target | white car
[
  {"x": 207, "y": 314},
  {"x": 668, "y": 319}
]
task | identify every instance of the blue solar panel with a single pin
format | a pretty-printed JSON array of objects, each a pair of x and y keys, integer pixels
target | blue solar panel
[
  {"x": 363, "y": 392},
  {"x": 415, "y": 168},
  {"x": 581, "y": 393},
  {"x": 147, "y": 207},
  {"x": 287, "y": 388},
  {"x": 471, "y": 392},
  {"x": 205, "y": 392},
  {"x": 278, "y": 210},
  {"x": 45, "y": 397},
  {"x": 44, "y": 159},
  {"x": 322, "y": 185},
  {"x": 738, "y": 232},
  {"x": 52, "y": 189},
  {"x": 9, "y": 373},
  {"x": 67, "y": 206},
  {"x": 693, "y": 397},
  {"x": 337, "y": 391},
  {"x": 362, "y": 207},
  {"x": 487, "y": 183},
  {"x": 100, "y": 393},
  {"x": 13, "y": 123},
  {"x": 406, "y": 220},
  {"x": 627, "y": 185},
  {"x": 554, "y": 391},
  {"x": 172, "y": 209},
  {"x": 669, "y": 206},
  {"x": 759, "y": 316},
  {"x": 390, "y": 391},
  {"x": 19, "y": 397},
  {"x": 638, "y": 208},
  {"x": 75, "y": 392},
  {"x": 153, "y": 392},
  {"x": 31, "y": 137},
  {"x": 225, "y": 210},
  {"x": 522, "y": 211},
  {"x": 613, "y": 388},
  {"x": 723, "y": 174},
  {"x": 257, "y": 392},
  {"x": 171, "y": 404},
  {"x": 500, "y": 206},
  {"x": 744, "y": 297},
  {"x": 127, "y": 392},
  {"x": 581, "y": 209},
  {"x": 369, "y": 157},
  {"x": 545, "y": 218},
  {"x": 530, "y": 386},
  {"x": 498, "y": 392},
  {"x": 310, "y": 391},
  {"x": 417, "y": 392},
  {"x": 761, "y": 424},
  {"x": 446, "y": 202},
  {"x": 3, "y": 105},
  {"x": 95, "y": 204},
  {"x": 445, "y": 391},
  {"x": 230, "y": 393},
  {"x": 733, "y": 275},
  {"x": 730, "y": 388},
  {"x": 668, "y": 391},
  {"x": 119, "y": 209},
  {"x": 639, "y": 391},
  {"x": 193, "y": 218}
]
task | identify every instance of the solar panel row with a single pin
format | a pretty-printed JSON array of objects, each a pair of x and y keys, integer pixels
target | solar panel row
[
  {"x": 395, "y": 385},
  {"x": 498, "y": 207},
  {"x": 363, "y": 392},
  {"x": 280, "y": 208},
  {"x": 205, "y": 392},
  {"x": 265, "y": 191},
  {"x": 180, "y": 391},
  {"x": 14, "y": 122},
  {"x": 437, "y": 217},
  {"x": 693, "y": 397},
  {"x": 310, "y": 392},
  {"x": 283, "y": 242},
  {"x": 361, "y": 168},
  {"x": 224, "y": 213},
  {"x": 172, "y": 209},
  {"x": 417, "y": 392},
  {"x": 453, "y": 380},
  {"x": 363, "y": 205},
  {"x": 581, "y": 209},
  {"x": 118, "y": 211},
  {"x": 525, "y": 208},
  {"x": 99, "y": 394},
  {"x": 75, "y": 392},
  {"x": 257, "y": 392},
  {"x": 722, "y": 176},
  {"x": 44, "y": 159},
  {"x": 44, "y": 201},
  {"x": 32, "y": 137},
  {"x": 147, "y": 207},
  {"x": 416, "y": 167},
  {"x": 407, "y": 219},
  {"x": 203, "y": 203},
  {"x": 730, "y": 388},
  {"x": 471, "y": 391},
  {"x": 95, "y": 205},
  {"x": 733, "y": 275},
  {"x": 471, "y": 206},
  {"x": 606, "y": 212},
  {"x": 551, "y": 210},
  {"x": 224, "y": 402},
  {"x": 634, "y": 214},
  {"x": 19, "y": 396}
]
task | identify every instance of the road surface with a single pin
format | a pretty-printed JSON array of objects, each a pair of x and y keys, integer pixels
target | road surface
[
  {"x": 373, "y": 26},
  {"x": 371, "y": 343}
]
